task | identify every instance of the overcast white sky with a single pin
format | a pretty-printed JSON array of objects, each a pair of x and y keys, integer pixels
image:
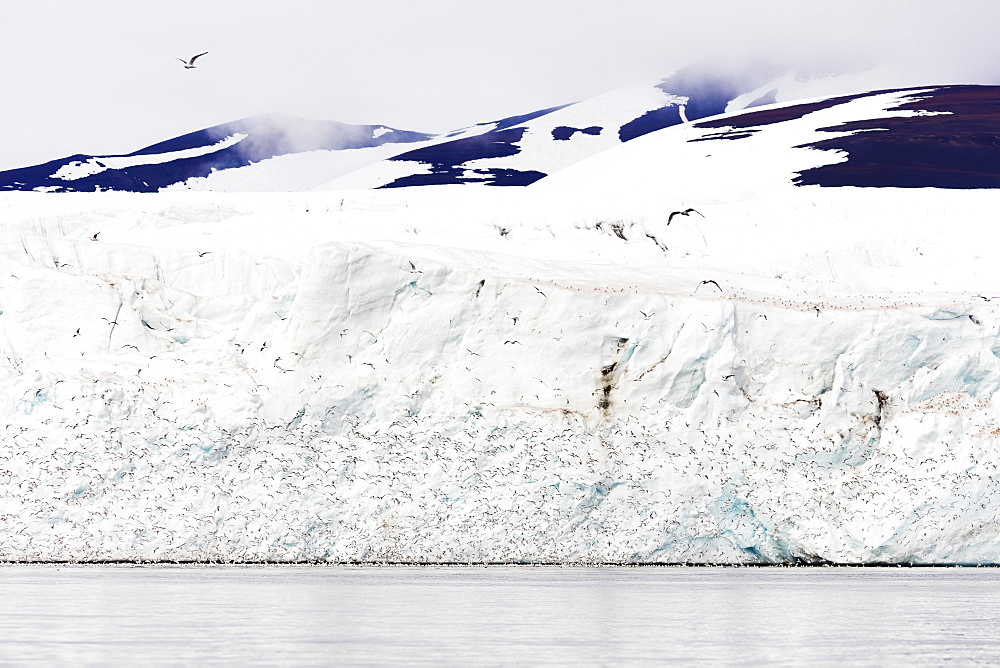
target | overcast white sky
[{"x": 98, "y": 76}]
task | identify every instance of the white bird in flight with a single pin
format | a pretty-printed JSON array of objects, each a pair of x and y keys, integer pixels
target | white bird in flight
[{"x": 189, "y": 64}]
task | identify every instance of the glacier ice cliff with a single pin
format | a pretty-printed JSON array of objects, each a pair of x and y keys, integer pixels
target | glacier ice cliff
[{"x": 511, "y": 377}]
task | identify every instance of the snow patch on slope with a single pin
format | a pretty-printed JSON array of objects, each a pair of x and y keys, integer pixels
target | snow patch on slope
[
  {"x": 80, "y": 169},
  {"x": 292, "y": 172},
  {"x": 720, "y": 163}
]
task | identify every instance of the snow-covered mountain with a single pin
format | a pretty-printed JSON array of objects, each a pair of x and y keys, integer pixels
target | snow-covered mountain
[
  {"x": 220, "y": 148},
  {"x": 521, "y": 150},
  {"x": 567, "y": 372},
  {"x": 934, "y": 136},
  {"x": 282, "y": 153}
]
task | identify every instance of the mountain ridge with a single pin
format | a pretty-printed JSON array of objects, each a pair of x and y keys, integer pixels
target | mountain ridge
[{"x": 284, "y": 152}]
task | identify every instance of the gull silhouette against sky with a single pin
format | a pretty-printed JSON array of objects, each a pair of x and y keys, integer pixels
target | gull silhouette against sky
[{"x": 189, "y": 64}]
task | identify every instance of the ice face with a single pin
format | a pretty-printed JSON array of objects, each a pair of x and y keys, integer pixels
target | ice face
[{"x": 506, "y": 375}]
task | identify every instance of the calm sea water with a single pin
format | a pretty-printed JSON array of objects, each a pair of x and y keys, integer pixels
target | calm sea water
[{"x": 497, "y": 615}]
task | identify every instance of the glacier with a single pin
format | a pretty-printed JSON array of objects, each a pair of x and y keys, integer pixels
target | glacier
[{"x": 549, "y": 374}]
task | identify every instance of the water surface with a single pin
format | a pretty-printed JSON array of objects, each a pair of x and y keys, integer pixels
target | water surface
[{"x": 497, "y": 615}]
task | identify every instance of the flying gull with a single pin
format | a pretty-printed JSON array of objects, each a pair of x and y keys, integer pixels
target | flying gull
[
  {"x": 189, "y": 64},
  {"x": 709, "y": 282},
  {"x": 685, "y": 212}
]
